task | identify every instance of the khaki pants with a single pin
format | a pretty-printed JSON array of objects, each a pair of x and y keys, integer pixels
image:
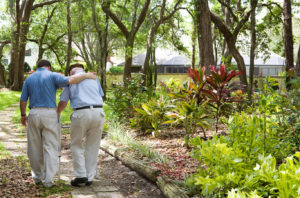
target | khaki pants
[
  {"x": 86, "y": 131},
  {"x": 43, "y": 141}
]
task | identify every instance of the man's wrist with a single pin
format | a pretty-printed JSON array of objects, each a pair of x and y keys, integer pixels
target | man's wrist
[{"x": 23, "y": 115}]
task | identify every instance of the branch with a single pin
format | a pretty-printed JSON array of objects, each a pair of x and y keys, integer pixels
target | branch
[
  {"x": 46, "y": 25},
  {"x": 57, "y": 56},
  {"x": 118, "y": 22},
  {"x": 229, "y": 9},
  {"x": 242, "y": 22},
  {"x": 221, "y": 26},
  {"x": 56, "y": 40},
  {"x": 142, "y": 16},
  {"x": 5, "y": 42},
  {"x": 44, "y": 3},
  {"x": 33, "y": 40},
  {"x": 175, "y": 9},
  {"x": 271, "y": 3},
  {"x": 271, "y": 12}
]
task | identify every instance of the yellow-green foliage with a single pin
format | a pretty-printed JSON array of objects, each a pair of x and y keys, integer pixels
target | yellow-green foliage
[{"x": 8, "y": 98}]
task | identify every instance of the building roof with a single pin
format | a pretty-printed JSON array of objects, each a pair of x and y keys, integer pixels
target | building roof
[
  {"x": 273, "y": 60},
  {"x": 177, "y": 60},
  {"x": 136, "y": 60}
]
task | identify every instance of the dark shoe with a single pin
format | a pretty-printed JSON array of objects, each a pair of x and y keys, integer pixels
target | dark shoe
[
  {"x": 88, "y": 183},
  {"x": 77, "y": 181}
]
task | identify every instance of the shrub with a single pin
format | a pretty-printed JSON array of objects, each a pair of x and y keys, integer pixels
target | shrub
[
  {"x": 116, "y": 70},
  {"x": 124, "y": 98}
]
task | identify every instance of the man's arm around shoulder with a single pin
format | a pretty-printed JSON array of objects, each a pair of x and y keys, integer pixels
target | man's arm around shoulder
[{"x": 75, "y": 79}]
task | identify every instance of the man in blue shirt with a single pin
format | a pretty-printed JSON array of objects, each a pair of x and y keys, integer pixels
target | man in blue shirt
[
  {"x": 43, "y": 121},
  {"x": 87, "y": 123}
]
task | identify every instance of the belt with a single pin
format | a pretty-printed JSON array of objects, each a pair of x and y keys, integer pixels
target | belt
[{"x": 89, "y": 107}]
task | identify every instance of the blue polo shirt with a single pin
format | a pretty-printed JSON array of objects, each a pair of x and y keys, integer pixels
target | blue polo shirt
[
  {"x": 87, "y": 93},
  {"x": 41, "y": 86}
]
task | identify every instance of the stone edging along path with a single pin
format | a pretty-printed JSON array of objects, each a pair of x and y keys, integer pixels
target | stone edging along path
[{"x": 169, "y": 189}]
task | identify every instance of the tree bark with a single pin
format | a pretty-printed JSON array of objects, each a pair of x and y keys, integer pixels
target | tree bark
[
  {"x": 128, "y": 59},
  {"x": 288, "y": 39},
  {"x": 2, "y": 69},
  {"x": 70, "y": 37},
  {"x": 253, "y": 46},
  {"x": 203, "y": 19},
  {"x": 298, "y": 62}
]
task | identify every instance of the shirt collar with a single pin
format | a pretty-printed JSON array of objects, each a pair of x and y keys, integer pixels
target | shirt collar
[
  {"x": 79, "y": 72},
  {"x": 41, "y": 69}
]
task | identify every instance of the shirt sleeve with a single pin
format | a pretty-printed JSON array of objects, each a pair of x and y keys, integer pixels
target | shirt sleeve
[
  {"x": 65, "y": 94},
  {"x": 60, "y": 80},
  {"x": 100, "y": 88},
  {"x": 24, "y": 94}
]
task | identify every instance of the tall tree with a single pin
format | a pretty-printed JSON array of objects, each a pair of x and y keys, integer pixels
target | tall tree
[
  {"x": 102, "y": 45},
  {"x": 20, "y": 14},
  {"x": 155, "y": 24},
  {"x": 70, "y": 37},
  {"x": 288, "y": 39},
  {"x": 205, "y": 42},
  {"x": 253, "y": 45},
  {"x": 130, "y": 32}
]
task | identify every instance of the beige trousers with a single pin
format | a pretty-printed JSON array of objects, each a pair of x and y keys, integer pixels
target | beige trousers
[
  {"x": 43, "y": 141},
  {"x": 86, "y": 131}
]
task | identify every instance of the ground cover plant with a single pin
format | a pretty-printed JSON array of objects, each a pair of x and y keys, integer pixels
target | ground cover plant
[{"x": 257, "y": 153}]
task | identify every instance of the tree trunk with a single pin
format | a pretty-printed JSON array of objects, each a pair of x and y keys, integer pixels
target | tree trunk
[
  {"x": 69, "y": 51},
  {"x": 288, "y": 39},
  {"x": 227, "y": 56},
  {"x": 128, "y": 59},
  {"x": 14, "y": 64},
  {"x": 240, "y": 63},
  {"x": 155, "y": 67},
  {"x": 105, "y": 49},
  {"x": 253, "y": 46},
  {"x": 231, "y": 41},
  {"x": 298, "y": 62},
  {"x": 194, "y": 36},
  {"x": 2, "y": 69},
  {"x": 203, "y": 19},
  {"x": 147, "y": 70}
]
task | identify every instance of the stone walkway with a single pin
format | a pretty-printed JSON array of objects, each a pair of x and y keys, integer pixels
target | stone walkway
[{"x": 115, "y": 181}]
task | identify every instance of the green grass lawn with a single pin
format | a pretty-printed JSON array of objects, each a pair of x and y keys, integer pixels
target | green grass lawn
[{"x": 7, "y": 98}]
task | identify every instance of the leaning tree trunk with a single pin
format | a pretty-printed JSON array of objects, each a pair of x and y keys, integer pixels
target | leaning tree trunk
[
  {"x": 288, "y": 40},
  {"x": 240, "y": 63},
  {"x": 203, "y": 19},
  {"x": 298, "y": 62}
]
